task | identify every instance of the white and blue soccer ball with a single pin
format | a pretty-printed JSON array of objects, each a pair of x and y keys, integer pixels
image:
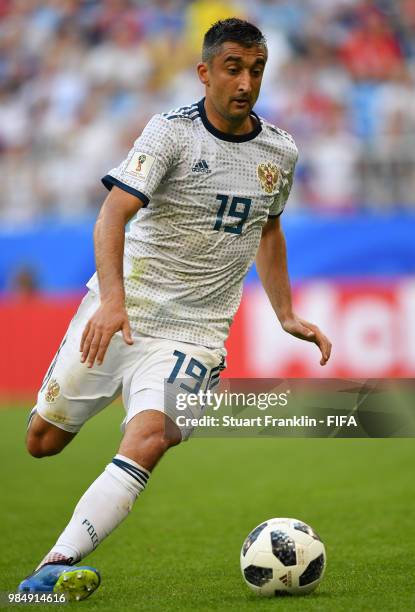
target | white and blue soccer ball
[{"x": 283, "y": 556}]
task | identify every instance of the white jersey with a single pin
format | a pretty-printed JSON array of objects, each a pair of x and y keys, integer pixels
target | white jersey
[{"x": 207, "y": 194}]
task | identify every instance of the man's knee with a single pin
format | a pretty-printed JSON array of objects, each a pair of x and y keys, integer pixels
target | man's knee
[
  {"x": 40, "y": 446},
  {"x": 160, "y": 437},
  {"x": 44, "y": 439},
  {"x": 148, "y": 436}
]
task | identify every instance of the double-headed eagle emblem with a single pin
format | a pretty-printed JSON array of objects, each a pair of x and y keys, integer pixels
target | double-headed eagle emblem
[
  {"x": 269, "y": 175},
  {"x": 274, "y": 179},
  {"x": 52, "y": 391}
]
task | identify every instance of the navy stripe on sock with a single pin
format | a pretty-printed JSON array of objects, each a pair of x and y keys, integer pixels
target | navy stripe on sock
[
  {"x": 132, "y": 467},
  {"x": 135, "y": 476},
  {"x": 133, "y": 471},
  {"x": 126, "y": 465},
  {"x": 140, "y": 480}
]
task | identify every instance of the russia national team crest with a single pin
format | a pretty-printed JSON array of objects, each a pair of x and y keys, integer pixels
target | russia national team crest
[
  {"x": 52, "y": 391},
  {"x": 269, "y": 176}
]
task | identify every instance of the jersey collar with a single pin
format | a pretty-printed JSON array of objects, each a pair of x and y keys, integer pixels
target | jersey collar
[{"x": 224, "y": 135}]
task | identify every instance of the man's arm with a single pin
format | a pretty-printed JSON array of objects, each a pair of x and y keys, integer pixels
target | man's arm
[
  {"x": 271, "y": 264},
  {"x": 118, "y": 208}
]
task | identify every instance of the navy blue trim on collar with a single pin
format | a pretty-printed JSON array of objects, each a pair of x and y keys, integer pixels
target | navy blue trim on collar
[
  {"x": 224, "y": 135},
  {"x": 109, "y": 181}
]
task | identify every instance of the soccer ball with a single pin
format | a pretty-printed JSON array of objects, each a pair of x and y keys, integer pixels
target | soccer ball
[{"x": 283, "y": 556}]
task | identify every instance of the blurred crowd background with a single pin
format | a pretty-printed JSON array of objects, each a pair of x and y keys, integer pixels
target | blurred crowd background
[{"x": 79, "y": 80}]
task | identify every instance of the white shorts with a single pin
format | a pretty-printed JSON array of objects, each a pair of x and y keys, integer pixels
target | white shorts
[{"x": 71, "y": 393}]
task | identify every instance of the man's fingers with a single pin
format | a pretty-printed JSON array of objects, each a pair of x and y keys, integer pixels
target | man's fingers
[
  {"x": 126, "y": 333},
  {"x": 86, "y": 343},
  {"x": 93, "y": 349},
  {"x": 97, "y": 336},
  {"x": 322, "y": 342},
  {"x": 84, "y": 336},
  {"x": 102, "y": 349},
  {"x": 324, "y": 345},
  {"x": 312, "y": 333},
  {"x": 327, "y": 351}
]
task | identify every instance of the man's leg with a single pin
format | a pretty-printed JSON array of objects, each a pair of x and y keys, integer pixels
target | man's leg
[
  {"x": 71, "y": 393},
  {"x": 44, "y": 439},
  {"x": 149, "y": 433},
  {"x": 111, "y": 496},
  {"x": 147, "y": 437}
]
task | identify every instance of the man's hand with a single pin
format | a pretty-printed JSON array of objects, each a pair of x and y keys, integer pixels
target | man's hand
[
  {"x": 307, "y": 331},
  {"x": 108, "y": 319}
]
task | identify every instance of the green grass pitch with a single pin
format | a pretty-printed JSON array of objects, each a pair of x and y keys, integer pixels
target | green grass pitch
[{"x": 179, "y": 549}]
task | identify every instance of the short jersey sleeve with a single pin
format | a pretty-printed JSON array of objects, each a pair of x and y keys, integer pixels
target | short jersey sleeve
[
  {"x": 285, "y": 181},
  {"x": 153, "y": 154}
]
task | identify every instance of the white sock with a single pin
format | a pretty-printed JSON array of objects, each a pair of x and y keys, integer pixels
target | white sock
[{"x": 100, "y": 510}]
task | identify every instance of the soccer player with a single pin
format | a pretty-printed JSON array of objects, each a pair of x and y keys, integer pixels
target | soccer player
[{"x": 207, "y": 184}]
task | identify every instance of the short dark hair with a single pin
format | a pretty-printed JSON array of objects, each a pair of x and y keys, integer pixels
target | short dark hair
[{"x": 233, "y": 30}]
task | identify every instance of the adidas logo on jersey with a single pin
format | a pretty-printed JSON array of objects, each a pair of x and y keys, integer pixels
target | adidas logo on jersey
[{"x": 201, "y": 166}]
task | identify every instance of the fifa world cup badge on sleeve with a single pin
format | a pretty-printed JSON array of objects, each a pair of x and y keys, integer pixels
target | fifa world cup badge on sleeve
[{"x": 140, "y": 165}]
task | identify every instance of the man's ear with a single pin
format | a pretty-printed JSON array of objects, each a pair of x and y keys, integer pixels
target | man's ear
[{"x": 203, "y": 73}]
